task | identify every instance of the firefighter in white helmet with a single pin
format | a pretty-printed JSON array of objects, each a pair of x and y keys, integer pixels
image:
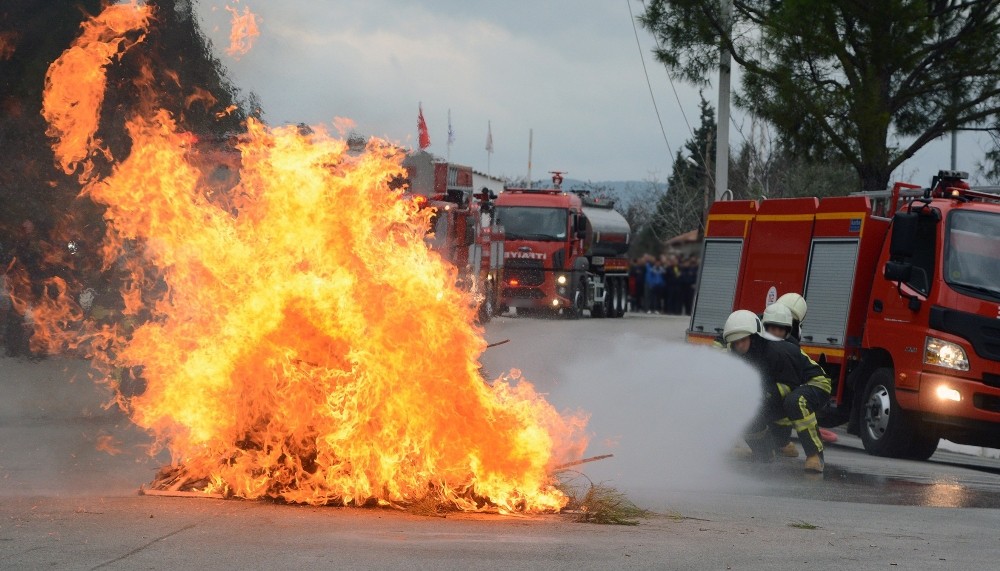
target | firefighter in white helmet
[
  {"x": 777, "y": 320},
  {"x": 798, "y": 307},
  {"x": 782, "y": 373},
  {"x": 796, "y": 304},
  {"x": 816, "y": 390}
]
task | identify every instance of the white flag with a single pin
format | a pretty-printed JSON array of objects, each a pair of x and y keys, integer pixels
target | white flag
[{"x": 489, "y": 137}]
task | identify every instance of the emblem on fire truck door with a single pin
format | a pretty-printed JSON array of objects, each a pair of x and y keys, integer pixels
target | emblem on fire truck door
[{"x": 772, "y": 296}]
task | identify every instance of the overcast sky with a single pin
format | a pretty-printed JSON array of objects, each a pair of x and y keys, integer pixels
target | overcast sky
[{"x": 570, "y": 70}]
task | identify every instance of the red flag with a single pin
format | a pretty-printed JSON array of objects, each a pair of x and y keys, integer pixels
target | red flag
[{"x": 423, "y": 137}]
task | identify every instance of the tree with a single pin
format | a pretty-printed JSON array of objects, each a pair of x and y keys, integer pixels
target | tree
[
  {"x": 187, "y": 78},
  {"x": 762, "y": 168},
  {"x": 838, "y": 78},
  {"x": 689, "y": 189},
  {"x": 990, "y": 167}
]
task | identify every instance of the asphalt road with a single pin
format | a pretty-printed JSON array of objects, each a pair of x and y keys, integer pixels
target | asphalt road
[{"x": 668, "y": 413}]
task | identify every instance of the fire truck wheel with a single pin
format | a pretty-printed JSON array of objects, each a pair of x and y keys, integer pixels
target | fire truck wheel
[
  {"x": 620, "y": 297},
  {"x": 603, "y": 309},
  {"x": 486, "y": 309},
  {"x": 923, "y": 444},
  {"x": 885, "y": 428},
  {"x": 579, "y": 301}
]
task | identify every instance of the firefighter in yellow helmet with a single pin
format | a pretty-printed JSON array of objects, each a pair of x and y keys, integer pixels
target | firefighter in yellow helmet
[{"x": 786, "y": 393}]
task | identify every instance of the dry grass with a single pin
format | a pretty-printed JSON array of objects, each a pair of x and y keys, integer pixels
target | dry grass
[{"x": 599, "y": 503}]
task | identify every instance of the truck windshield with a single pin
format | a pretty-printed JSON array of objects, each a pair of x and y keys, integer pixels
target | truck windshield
[
  {"x": 532, "y": 223},
  {"x": 972, "y": 255}
]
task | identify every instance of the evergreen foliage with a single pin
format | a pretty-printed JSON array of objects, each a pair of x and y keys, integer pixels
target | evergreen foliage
[{"x": 842, "y": 79}]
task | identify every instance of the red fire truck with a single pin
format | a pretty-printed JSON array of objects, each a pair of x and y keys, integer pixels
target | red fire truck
[
  {"x": 903, "y": 312},
  {"x": 564, "y": 252},
  {"x": 463, "y": 229}
]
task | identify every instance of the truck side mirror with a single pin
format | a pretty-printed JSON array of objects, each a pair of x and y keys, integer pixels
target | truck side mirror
[
  {"x": 898, "y": 271},
  {"x": 904, "y": 235}
]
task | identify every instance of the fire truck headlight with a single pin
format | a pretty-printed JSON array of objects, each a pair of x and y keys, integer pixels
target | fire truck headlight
[
  {"x": 945, "y": 392},
  {"x": 945, "y": 354},
  {"x": 555, "y": 303},
  {"x": 561, "y": 280}
]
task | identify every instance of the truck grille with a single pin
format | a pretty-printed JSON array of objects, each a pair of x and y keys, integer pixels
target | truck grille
[
  {"x": 523, "y": 293},
  {"x": 991, "y": 380},
  {"x": 526, "y": 272}
]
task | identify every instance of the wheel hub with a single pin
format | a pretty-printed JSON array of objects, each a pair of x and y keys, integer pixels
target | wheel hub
[{"x": 877, "y": 411}]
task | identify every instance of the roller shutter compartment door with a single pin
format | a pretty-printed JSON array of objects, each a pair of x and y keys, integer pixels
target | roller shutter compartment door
[
  {"x": 716, "y": 284},
  {"x": 828, "y": 291}
]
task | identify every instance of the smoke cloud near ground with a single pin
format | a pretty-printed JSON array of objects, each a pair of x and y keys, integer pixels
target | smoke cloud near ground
[
  {"x": 670, "y": 413},
  {"x": 58, "y": 438}
]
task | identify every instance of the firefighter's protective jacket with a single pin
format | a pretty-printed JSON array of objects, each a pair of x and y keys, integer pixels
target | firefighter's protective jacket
[
  {"x": 811, "y": 369},
  {"x": 778, "y": 363}
]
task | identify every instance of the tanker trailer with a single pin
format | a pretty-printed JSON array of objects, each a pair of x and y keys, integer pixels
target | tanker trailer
[{"x": 563, "y": 253}]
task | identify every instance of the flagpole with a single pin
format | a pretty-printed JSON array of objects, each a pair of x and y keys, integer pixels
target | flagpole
[
  {"x": 531, "y": 136},
  {"x": 489, "y": 146}
]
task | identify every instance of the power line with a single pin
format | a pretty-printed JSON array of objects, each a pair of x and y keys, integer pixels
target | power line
[
  {"x": 669, "y": 78},
  {"x": 648, "y": 83}
]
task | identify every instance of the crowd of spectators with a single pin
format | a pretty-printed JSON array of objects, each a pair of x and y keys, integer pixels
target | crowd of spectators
[{"x": 662, "y": 284}]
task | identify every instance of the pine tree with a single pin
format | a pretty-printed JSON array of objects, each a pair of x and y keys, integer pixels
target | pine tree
[{"x": 689, "y": 189}]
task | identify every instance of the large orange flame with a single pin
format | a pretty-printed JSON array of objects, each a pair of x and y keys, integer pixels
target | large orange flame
[
  {"x": 298, "y": 338},
  {"x": 243, "y": 31},
  {"x": 75, "y": 83}
]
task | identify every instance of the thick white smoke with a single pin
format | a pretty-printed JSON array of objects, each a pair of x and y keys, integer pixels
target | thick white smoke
[{"x": 669, "y": 412}]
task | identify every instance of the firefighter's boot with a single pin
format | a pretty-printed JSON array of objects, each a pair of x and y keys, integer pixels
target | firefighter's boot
[
  {"x": 789, "y": 450},
  {"x": 815, "y": 463},
  {"x": 761, "y": 446}
]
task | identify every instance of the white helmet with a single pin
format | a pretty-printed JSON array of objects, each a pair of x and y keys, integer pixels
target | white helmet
[
  {"x": 741, "y": 323},
  {"x": 795, "y": 303},
  {"x": 777, "y": 314}
]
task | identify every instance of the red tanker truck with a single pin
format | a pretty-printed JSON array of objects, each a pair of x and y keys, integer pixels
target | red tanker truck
[
  {"x": 563, "y": 252},
  {"x": 903, "y": 293}
]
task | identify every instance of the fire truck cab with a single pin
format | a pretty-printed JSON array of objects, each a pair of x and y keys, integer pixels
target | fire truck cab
[
  {"x": 564, "y": 252},
  {"x": 903, "y": 311}
]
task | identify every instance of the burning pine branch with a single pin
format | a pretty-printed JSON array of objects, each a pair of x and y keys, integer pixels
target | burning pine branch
[{"x": 301, "y": 342}]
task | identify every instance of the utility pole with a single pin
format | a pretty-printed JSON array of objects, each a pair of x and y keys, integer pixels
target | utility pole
[
  {"x": 531, "y": 137},
  {"x": 708, "y": 197},
  {"x": 954, "y": 150},
  {"x": 722, "y": 127}
]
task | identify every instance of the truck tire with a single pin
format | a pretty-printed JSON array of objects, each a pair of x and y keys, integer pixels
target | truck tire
[
  {"x": 600, "y": 309},
  {"x": 579, "y": 302},
  {"x": 923, "y": 443},
  {"x": 621, "y": 298},
  {"x": 487, "y": 308},
  {"x": 885, "y": 428},
  {"x": 611, "y": 299}
]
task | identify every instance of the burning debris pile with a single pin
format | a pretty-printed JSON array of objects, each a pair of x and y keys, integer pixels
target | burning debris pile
[{"x": 297, "y": 338}]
